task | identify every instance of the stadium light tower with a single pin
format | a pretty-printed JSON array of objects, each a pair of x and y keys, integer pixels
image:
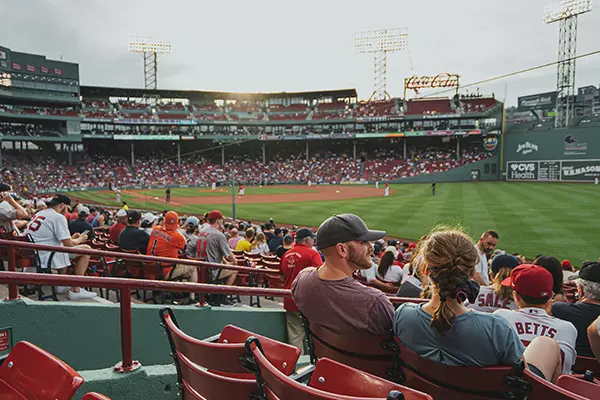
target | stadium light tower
[
  {"x": 380, "y": 42},
  {"x": 566, "y": 13},
  {"x": 150, "y": 48}
]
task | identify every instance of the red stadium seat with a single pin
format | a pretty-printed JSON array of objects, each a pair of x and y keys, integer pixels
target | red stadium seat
[
  {"x": 330, "y": 381},
  {"x": 222, "y": 375},
  {"x": 32, "y": 373},
  {"x": 583, "y": 364},
  {"x": 541, "y": 389},
  {"x": 575, "y": 384},
  {"x": 366, "y": 352},
  {"x": 94, "y": 396}
]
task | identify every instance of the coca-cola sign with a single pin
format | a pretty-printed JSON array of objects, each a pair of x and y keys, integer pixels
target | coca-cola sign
[{"x": 442, "y": 80}]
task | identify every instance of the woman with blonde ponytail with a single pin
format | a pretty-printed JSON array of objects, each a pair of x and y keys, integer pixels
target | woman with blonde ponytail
[{"x": 446, "y": 331}]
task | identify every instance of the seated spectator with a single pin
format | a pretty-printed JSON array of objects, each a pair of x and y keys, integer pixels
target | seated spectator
[
  {"x": 593, "y": 332},
  {"x": 132, "y": 237},
  {"x": 115, "y": 230},
  {"x": 568, "y": 270},
  {"x": 444, "y": 330},
  {"x": 100, "y": 218},
  {"x": 370, "y": 275},
  {"x": 50, "y": 227},
  {"x": 413, "y": 279},
  {"x": 166, "y": 241},
  {"x": 148, "y": 222},
  {"x": 190, "y": 227},
  {"x": 213, "y": 247},
  {"x": 80, "y": 225},
  {"x": 276, "y": 241},
  {"x": 92, "y": 215},
  {"x": 582, "y": 313},
  {"x": 329, "y": 296},
  {"x": 259, "y": 244},
  {"x": 496, "y": 296},
  {"x": 10, "y": 209},
  {"x": 388, "y": 271},
  {"x": 552, "y": 265},
  {"x": 40, "y": 206},
  {"x": 234, "y": 239},
  {"x": 245, "y": 244},
  {"x": 300, "y": 256},
  {"x": 288, "y": 241},
  {"x": 485, "y": 246},
  {"x": 532, "y": 292}
]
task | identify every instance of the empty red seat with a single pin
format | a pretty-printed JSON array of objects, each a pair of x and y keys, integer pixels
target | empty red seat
[
  {"x": 330, "y": 380},
  {"x": 30, "y": 373},
  {"x": 214, "y": 369},
  {"x": 576, "y": 384}
]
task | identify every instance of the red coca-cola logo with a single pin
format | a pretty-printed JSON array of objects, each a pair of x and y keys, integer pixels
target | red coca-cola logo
[{"x": 442, "y": 80}]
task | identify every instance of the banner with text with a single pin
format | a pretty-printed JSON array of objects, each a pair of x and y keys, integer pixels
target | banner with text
[{"x": 553, "y": 170}]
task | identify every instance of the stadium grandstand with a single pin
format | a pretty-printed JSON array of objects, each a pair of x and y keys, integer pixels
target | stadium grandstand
[{"x": 110, "y": 233}]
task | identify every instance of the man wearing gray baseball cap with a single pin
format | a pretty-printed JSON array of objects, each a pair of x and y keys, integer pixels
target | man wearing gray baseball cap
[{"x": 329, "y": 296}]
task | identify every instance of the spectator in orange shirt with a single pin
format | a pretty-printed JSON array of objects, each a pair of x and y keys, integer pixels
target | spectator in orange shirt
[{"x": 166, "y": 241}]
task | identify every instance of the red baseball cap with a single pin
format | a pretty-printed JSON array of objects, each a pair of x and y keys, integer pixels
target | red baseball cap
[
  {"x": 530, "y": 280},
  {"x": 171, "y": 221},
  {"x": 214, "y": 214},
  {"x": 566, "y": 264}
]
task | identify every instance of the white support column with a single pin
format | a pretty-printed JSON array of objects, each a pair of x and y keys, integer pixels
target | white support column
[{"x": 223, "y": 155}]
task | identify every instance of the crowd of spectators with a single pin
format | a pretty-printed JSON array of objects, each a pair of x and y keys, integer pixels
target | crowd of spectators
[{"x": 30, "y": 172}]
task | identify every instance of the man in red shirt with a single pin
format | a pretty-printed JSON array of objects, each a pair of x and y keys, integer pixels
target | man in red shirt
[
  {"x": 300, "y": 256},
  {"x": 118, "y": 226}
]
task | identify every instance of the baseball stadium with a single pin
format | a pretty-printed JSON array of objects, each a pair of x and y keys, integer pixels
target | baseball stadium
[{"x": 219, "y": 245}]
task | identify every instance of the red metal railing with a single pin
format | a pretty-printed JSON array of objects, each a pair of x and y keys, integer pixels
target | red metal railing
[{"x": 125, "y": 285}]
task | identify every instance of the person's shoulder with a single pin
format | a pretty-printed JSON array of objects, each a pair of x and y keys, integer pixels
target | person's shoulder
[
  {"x": 562, "y": 308},
  {"x": 306, "y": 273}
]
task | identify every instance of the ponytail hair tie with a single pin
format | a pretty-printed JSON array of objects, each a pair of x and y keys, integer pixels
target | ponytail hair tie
[{"x": 467, "y": 290}]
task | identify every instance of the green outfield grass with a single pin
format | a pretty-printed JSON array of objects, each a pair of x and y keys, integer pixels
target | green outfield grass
[
  {"x": 532, "y": 218},
  {"x": 196, "y": 192}
]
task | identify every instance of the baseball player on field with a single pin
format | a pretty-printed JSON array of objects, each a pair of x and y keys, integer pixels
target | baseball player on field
[
  {"x": 532, "y": 292},
  {"x": 377, "y": 184},
  {"x": 387, "y": 189},
  {"x": 213, "y": 186},
  {"x": 242, "y": 191}
]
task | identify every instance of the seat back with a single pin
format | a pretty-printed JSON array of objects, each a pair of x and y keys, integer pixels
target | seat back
[
  {"x": 211, "y": 385},
  {"x": 334, "y": 377},
  {"x": 453, "y": 382},
  {"x": 541, "y": 389},
  {"x": 273, "y": 384},
  {"x": 583, "y": 364},
  {"x": 223, "y": 357},
  {"x": 369, "y": 353},
  {"x": 579, "y": 386},
  {"x": 37, "y": 374},
  {"x": 94, "y": 396},
  {"x": 189, "y": 393}
]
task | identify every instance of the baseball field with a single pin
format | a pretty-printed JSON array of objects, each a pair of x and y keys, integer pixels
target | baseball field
[{"x": 531, "y": 218}]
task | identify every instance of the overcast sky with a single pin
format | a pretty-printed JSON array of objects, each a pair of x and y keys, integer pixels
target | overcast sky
[{"x": 280, "y": 45}]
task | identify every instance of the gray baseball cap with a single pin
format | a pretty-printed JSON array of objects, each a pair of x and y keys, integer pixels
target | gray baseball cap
[{"x": 344, "y": 228}]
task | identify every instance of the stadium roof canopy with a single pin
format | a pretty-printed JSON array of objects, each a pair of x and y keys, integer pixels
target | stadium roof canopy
[{"x": 204, "y": 96}]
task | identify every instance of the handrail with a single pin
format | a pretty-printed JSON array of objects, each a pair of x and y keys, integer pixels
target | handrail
[
  {"x": 125, "y": 285},
  {"x": 130, "y": 256}
]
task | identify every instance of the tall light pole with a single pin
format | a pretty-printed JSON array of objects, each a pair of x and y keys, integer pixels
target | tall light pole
[
  {"x": 566, "y": 13},
  {"x": 150, "y": 49},
  {"x": 380, "y": 42}
]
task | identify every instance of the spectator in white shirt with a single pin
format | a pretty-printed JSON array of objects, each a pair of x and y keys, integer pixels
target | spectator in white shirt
[
  {"x": 259, "y": 244},
  {"x": 388, "y": 271},
  {"x": 486, "y": 245}
]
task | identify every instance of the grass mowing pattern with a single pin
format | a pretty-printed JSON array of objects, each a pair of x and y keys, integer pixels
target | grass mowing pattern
[{"x": 532, "y": 218}]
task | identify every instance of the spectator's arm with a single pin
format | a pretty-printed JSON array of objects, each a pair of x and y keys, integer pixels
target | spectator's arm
[
  {"x": 21, "y": 213},
  {"x": 74, "y": 240},
  {"x": 593, "y": 332},
  {"x": 383, "y": 286},
  {"x": 477, "y": 277}
]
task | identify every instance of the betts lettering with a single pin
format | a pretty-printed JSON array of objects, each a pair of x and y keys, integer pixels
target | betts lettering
[
  {"x": 533, "y": 328},
  {"x": 439, "y": 81}
]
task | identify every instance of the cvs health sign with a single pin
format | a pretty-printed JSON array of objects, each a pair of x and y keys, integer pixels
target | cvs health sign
[{"x": 522, "y": 171}]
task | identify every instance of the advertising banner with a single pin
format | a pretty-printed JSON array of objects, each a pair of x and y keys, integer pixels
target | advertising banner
[
  {"x": 522, "y": 170},
  {"x": 146, "y": 137},
  {"x": 580, "y": 170},
  {"x": 540, "y": 101}
]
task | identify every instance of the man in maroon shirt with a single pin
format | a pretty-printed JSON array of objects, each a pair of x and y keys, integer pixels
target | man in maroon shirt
[
  {"x": 118, "y": 226},
  {"x": 300, "y": 256}
]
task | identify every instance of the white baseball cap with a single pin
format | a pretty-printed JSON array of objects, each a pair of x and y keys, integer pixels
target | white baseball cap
[
  {"x": 393, "y": 250},
  {"x": 149, "y": 218},
  {"x": 84, "y": 210},
  {"x": 121, "y": 213}
]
